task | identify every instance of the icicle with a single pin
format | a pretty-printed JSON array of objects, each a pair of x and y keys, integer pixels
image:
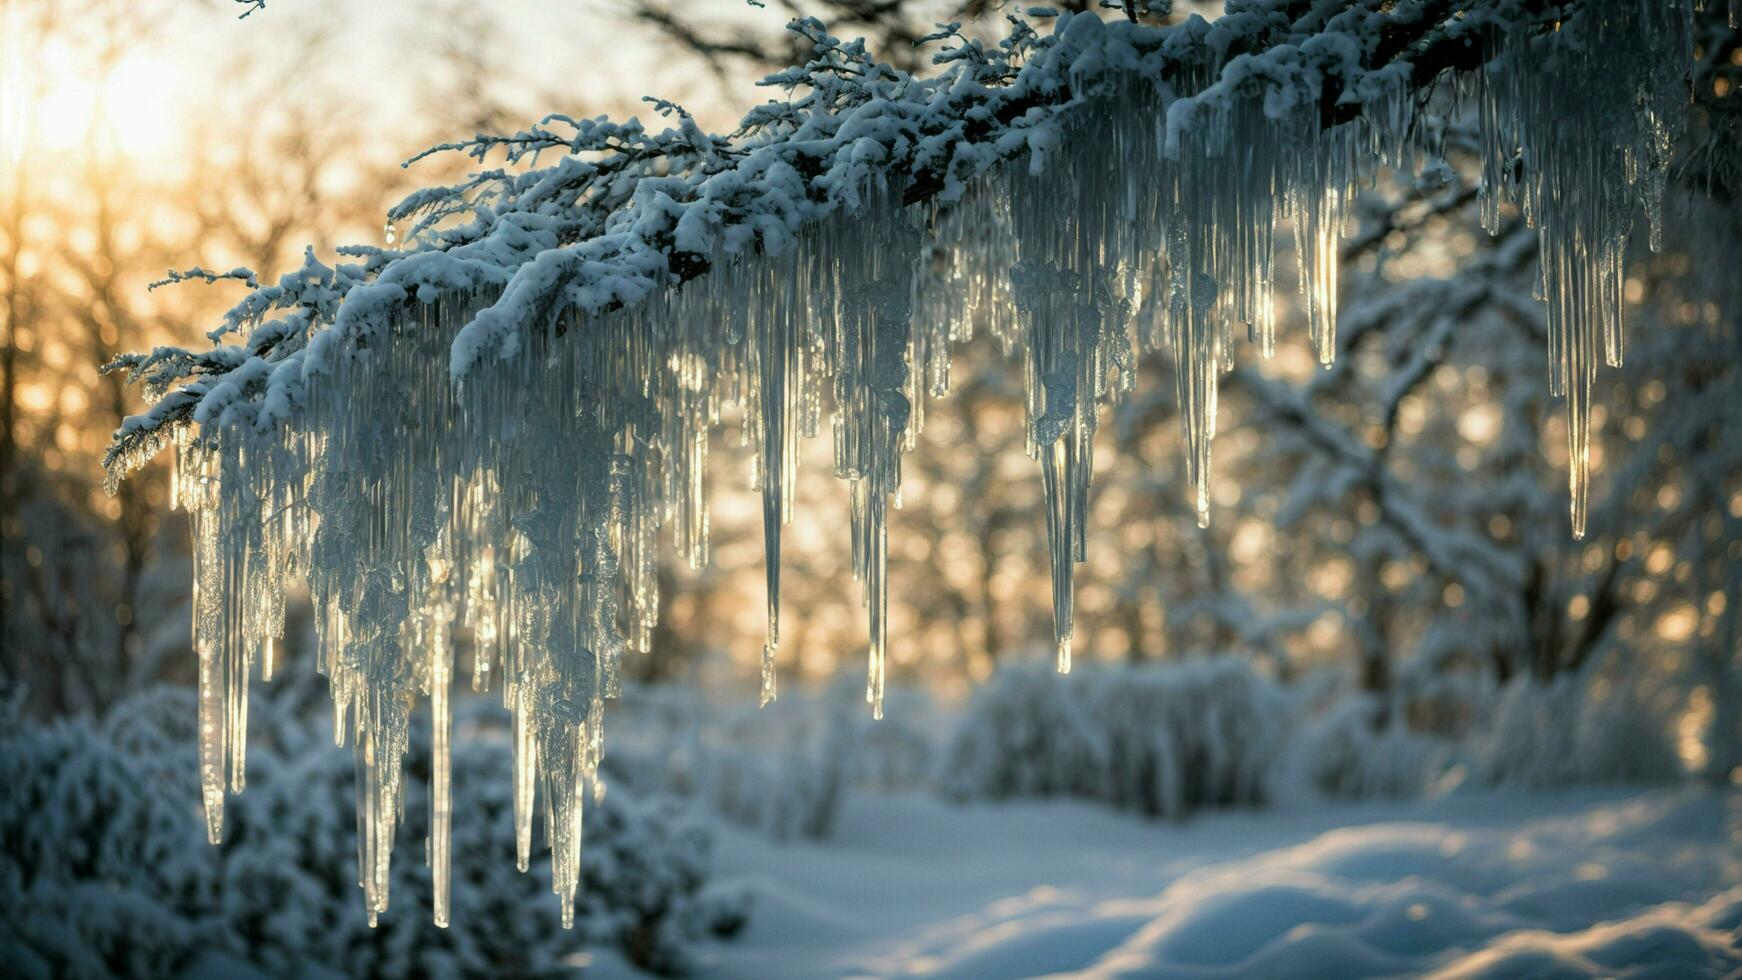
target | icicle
[
  {"x": 1197, "y": 344},
  {"x": 212, "y": 728},
  {"x": 1320, "y": 212},
  {"x": 1220, "y": 203},
  {"x": 1078, "y": 238},
  {"x": 776, "y": 321},
  {"x": 1595, "y": 110},
  {"x": 441, "y": 805},
  {"x": 525, "y": 776},
  {"x": 768, "y": 692},
  {"x": 868, "y": 271}
]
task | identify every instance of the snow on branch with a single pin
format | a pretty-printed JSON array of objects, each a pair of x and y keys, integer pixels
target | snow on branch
[
  {"x": 931, "y": 136},
  {"x": 485, "y": 424}
]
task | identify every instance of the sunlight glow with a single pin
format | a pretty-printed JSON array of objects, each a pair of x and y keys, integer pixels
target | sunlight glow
[{"x": 57, "y": 101}]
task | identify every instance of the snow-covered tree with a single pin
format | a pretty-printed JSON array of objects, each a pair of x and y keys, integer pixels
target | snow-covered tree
[{"x": 485, "y": 423}]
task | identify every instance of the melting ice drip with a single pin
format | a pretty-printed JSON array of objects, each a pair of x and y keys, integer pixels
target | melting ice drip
[{"x": 524, "y": 504}]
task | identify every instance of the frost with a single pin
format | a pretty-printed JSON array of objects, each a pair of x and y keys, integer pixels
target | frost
[{"x": 486, "y": 425}]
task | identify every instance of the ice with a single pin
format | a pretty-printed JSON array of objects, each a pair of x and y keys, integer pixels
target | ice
[
  {"x": 487, "y": 430},
  {"x": 1593, "y": 123}
]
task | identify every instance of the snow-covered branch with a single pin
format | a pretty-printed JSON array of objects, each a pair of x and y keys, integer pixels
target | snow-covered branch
[{"x": 546, "y": 234}]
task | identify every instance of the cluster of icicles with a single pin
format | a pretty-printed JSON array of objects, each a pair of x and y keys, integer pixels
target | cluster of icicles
[{"x": 520, "y": 509}]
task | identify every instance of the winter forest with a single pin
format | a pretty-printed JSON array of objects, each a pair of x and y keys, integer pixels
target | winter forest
[{"x": 811, "y": 488}]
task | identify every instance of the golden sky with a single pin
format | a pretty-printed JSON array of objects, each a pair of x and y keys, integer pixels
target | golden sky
[{"x": 164, "y": 73}]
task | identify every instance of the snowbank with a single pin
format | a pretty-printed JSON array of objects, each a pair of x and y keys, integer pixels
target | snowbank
[
  {"x": 1595, "y": 883},
  {"x": 1554, "y": 900}
]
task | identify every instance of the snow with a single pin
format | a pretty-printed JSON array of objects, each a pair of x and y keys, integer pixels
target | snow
[{"x": 1490, "y": 884}]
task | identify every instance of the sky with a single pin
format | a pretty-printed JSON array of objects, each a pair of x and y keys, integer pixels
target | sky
[
  {"x": 583, "y": 53},
  {"x": 382, "y": 58}
]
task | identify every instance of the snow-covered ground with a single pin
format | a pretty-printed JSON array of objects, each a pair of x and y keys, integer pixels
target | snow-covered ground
[{"x": 1594, "y": 882}]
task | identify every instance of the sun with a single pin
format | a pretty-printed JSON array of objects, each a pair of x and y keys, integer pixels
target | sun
[{"x": 60, "y": 102}]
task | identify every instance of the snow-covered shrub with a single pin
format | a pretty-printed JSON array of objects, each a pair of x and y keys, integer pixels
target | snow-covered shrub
[
  {"x": 1444, "y": 703},
  {"x": 289, "y": 894},
  {"x": 783, "y": 769},
  {"x": 104, "y": 846},
  {"x": 770, "y": 770},
  {"x": 100, "y": 867},
  {"x": 1027, "y": 733},
  {"x": 643, "y": 883},
  {"x": 1573, "y": 730},
  {"x": 1162, "y": 740},
  {"x": 1344, "y": 754},
  {"x": 898, "y": 752},
  {"x": 773, "y": 770}
]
